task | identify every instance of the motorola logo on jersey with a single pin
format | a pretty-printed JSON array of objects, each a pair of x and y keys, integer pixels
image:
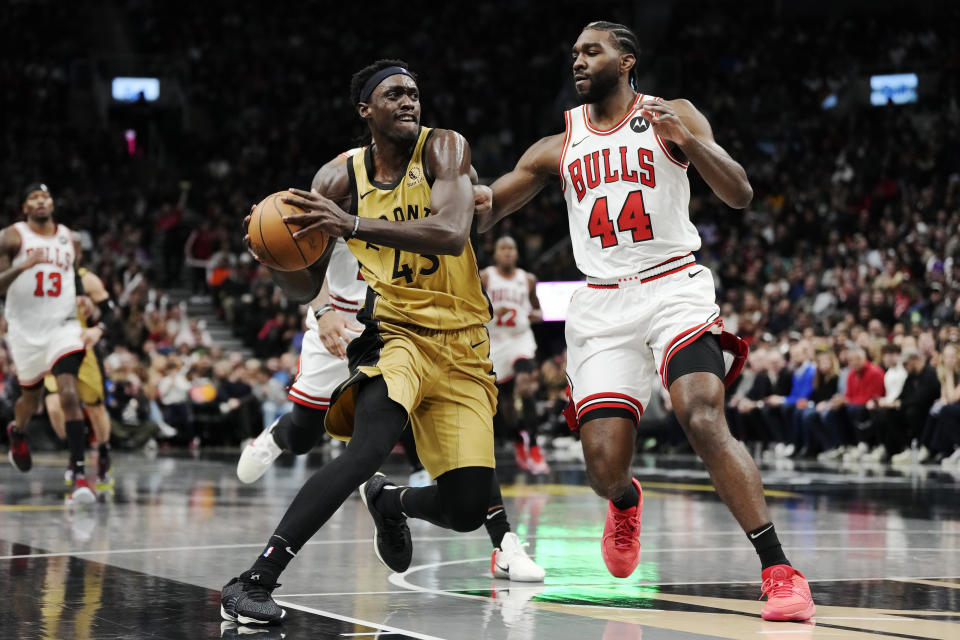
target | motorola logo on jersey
[
  {"x": 619, "y": 165},
  {"x": 639, "y": 124}
]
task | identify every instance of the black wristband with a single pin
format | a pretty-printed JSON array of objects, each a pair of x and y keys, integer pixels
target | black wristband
[
  {"x": 78, "y": 283},
  {"x": 322, "y": 310}
]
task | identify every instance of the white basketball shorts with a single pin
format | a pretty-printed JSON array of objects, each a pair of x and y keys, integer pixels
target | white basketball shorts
[
  {"x": 319, "y": 372},
  {"x": 35, "y": 354},
  {"x": 622, "y": 333},
  {"x": 506, "y": 350}
]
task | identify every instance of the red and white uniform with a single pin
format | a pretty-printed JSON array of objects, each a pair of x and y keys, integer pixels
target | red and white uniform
[
  {"x": 646, "y": 297},
  {"x": 319, "y": 371},
  {"x": 511, "y": 338},
  {"x": 41, "y": 306}
]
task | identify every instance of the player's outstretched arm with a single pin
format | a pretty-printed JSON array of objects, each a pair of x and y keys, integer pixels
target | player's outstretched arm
[
  {"x": 444, "y": 231},
  {"x": 515, "y": 189},
  {"x": 682, "y": 124}
]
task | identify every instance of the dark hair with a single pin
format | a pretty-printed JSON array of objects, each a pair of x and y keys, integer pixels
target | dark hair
[
  {"x": 360, "y": 77},
  {"x": 625, "y": 40},
  {"x": 890, "y": 347}
]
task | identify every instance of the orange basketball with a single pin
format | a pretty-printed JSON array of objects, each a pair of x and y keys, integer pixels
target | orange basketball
[{"x": 272, "y": 239}]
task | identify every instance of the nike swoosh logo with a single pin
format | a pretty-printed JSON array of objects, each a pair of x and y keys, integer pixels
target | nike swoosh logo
[
  {"x": 579, "y": 141},
  {"x": 754, "y": 537},
  {"x": 474, "y": 346},
  {"x": 364, "y": 195},
  {"x": 690, "y": 275},
  {"x": 290, "y": 551},
  {"x": 494, "y": 514}
]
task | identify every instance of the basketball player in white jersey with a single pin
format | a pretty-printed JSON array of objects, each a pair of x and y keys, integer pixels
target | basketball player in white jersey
[
  {"x": 38, "y": 276},
  {"x": 513, "y": 295},
  {"x": 331, "y": 325},
  {"x": 648, "y": 313}
]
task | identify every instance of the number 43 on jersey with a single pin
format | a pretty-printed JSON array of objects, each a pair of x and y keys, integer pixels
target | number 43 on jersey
[{"x": 632, "y": 217}]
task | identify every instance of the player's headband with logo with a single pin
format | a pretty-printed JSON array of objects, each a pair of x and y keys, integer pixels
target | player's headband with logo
[
  {"x": 36, "y": 186},
  {"x": 374, "y": 81}
]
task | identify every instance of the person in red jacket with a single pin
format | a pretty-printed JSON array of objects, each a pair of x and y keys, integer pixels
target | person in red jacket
[{"x": 864, "y": 383}]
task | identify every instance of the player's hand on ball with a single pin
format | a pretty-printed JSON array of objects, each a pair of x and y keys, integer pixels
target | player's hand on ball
[
  {"x": 246, "y": 235},
  {"x": 321, "y": 214},
  {"x": 482, "y": 199},
  {"x": 334, "y": 331},
  {"x": 665, "y": 121}
]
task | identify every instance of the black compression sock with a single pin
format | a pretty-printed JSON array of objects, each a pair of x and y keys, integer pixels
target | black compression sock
[
  {"x": 388, "y": 502},
  {"x": 765, "y": 541},
  {"x": 497, "y": 525},
  {"x": 76, "y": 440},
  {"x": 271, "y": 563},
  {"x": 628, "y": 499}
]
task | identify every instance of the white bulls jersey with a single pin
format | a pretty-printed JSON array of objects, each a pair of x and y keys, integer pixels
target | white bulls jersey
[
  {"x": 627, "y": 197},
  {"x": 44, "y": 297},
  {"x": 346, "y": 286},
  {"x": 514, "y": 294}
]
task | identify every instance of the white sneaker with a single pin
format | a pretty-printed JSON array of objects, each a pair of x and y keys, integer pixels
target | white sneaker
[
  {"x": 512, "y": 562},
  {"x": 952, "y": 461},
  {"x": 831, "y": 455},
  {"x": 789, "y": 450},
  {"x": 904, "y": 457},
  {"x": 923, "y": 454},
  {"x": 879, "y": 453},
  {"x": 420, "y": 479},
  {"x": 257, "y": 457}
]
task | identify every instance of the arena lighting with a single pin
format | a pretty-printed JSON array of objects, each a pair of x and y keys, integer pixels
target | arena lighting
[
  {"x": 130, "y": 89},
  {"x": 898, "y": 88},
  {"x": 555, "y": 298}
]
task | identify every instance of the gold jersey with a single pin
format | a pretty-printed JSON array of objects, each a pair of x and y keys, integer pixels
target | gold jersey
[{"x": 437, "y": 292}]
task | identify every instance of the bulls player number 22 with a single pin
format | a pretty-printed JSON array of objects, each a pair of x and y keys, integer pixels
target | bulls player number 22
[{"x": 633, "y": 217}]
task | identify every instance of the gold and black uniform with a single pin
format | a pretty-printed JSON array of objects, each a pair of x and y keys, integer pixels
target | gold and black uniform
[
  {"x": 424, "y": 318},
  {"x": 90, "y": 377}
]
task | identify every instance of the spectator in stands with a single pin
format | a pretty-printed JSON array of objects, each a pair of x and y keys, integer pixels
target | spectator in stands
[
  {"x": 940, "y": 439},
  {"x": 881, "y": 409},
  {"x": 810, "y": 412},
  {"x": 801, "y": 387},
  {"x": 902, "y": 422},
  {"x": 864, "y": 382}
]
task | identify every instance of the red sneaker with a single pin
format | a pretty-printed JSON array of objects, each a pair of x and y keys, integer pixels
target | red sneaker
[
  {"x": 19, "y": 449},
  {"x": 536, "y": 463},
  {"x": 522, "y": 457},
  {"x": 788, "y": 594},
  {"x": 621, "y": 538}
]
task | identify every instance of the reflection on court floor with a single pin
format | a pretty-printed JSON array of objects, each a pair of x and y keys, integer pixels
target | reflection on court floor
[{"x": 880, "y": 549}]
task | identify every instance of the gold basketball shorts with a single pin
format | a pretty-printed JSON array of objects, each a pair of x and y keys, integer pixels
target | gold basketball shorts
[{"x": 445, "y": 381}]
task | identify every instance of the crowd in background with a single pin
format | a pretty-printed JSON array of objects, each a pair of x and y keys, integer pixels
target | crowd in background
[{"x": 848, "y": 251}]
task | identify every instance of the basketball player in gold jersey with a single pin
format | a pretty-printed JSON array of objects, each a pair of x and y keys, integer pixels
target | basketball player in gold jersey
[
  {"x": 405, "y": 205},
  {"x": 90, "y": 387}
]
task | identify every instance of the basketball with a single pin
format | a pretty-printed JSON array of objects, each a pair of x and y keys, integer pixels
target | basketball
[{"x": 272, "y": 239}]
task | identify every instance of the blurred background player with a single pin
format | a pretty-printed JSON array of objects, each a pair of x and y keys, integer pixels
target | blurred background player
[
  {"x": 513, "y": 295},
  {"x": 90, "y": 383},
  {"x": 331, "y": 325},
  {"x": 38, "y": 276}
]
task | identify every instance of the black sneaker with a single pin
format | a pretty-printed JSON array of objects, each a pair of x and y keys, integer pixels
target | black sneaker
[
  {"x": 391, "y": 537},
  {"x": 249, "y": 602},
  {"x": 19, "y": 449}
]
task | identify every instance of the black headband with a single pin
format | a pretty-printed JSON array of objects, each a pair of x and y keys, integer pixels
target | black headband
[
  {"x": 35, "y": 186},
  {"x": 374, "y": 81}
]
